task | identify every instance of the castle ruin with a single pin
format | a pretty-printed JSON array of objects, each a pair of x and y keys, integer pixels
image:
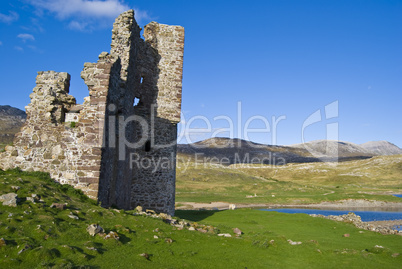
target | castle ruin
[{"x": 119, "y": 146}]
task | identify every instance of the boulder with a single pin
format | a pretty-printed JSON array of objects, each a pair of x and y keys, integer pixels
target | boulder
[
  {"x": 237, "y": 231},
  {"x": 112, "y": 235},
  {"x": 10, "y": 199},
  {"x": 72, "y": 216},
  {"x": 225, "y": 235},
  {"x": 58, "y": 206},
  {"x": 94, "y": 229}
]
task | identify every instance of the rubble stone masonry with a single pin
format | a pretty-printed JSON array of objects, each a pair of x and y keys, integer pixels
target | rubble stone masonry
[{"x": 119, "y": 146}]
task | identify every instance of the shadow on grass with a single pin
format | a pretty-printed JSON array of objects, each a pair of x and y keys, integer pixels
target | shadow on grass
[{"x": 194, "y": 215}]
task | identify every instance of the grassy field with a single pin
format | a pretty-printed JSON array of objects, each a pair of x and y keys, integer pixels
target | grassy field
[
  {"x": 37, "y": 236},
  {"x": 373, "y": 179}
]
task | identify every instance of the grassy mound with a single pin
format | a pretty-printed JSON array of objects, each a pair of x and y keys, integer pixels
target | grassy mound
[{"x": 34, "y": 235}]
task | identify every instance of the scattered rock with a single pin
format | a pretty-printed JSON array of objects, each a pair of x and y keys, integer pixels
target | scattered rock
[
  {"x": 156, "y": 237},
  {"x": 31, "y": 199},
  {"x": 346, "y": 235},
  {"x": 2, "y": 242},
  {"x": 150, "y": 211},
  {"x": 165, "y": 216},
  {"x": 112, "y": 235},
  {"x": 10, "y": 199},
  {"x": 20, "y": 179},
  {"x": 145, "y": 255},
  {"x": 179, "y": 227},
  {"x": 16, "y": 188},
  {"x": 24, "y": 249},
  {"x": 356, "y": 220},
  {"x": 138, "y": 209},
  {"x": 94, "y": 229},
  {"x": 58, "y": 206},
  {"x": 294, "y": 243},
  {"x": 72, "y": 216},
  {"x": 232, "y": 207},
  {"x": 225, "y": 235},
  {"x": 237, "y": 231},
  {"x": 169, "y": 240},
  {"x": 191, "y": 229},
  {"x": 395, "y": 255}
]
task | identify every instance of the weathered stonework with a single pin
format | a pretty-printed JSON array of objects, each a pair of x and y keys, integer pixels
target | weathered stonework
[{"x": 119, "y": 146}]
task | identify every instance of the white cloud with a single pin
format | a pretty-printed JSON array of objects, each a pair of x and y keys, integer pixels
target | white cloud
[
  {"x": 26, "y": 37},
  {"x": 34, "y": 26},
  {"x": 9, "y": 18},
  {"x": 80, "y": 26},
  {"x": 141, "y": 15},
  {"x": 35, "y": 49},
  {"x": 18, "y": 48},
  {"x": 84, "y": 14},
  {"x": 82, "y": 8}
]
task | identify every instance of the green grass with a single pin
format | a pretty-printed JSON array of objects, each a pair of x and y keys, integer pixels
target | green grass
[
  {"x": 2, "y": 147},
  {"x": 372, "y": 179},
  {"x": 54, "y": 240}
]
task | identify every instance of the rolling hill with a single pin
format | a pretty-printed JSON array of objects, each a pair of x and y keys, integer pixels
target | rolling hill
[
  {"x": 230, "y": 151},
  {"x": 11, "y": 120},
  {"x": 382, "y": 148}
]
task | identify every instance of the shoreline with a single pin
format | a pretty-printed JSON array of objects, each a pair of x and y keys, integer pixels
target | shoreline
[
  {"x": 384, "y": 227},
  {"x": 348, "y": 204}
]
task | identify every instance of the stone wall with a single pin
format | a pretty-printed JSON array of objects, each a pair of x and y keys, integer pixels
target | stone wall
[{"x": 116, "y": 151}]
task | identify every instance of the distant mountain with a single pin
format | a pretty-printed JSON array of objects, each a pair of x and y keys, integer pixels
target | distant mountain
[
  {"x": 241, "y": 151},
  {"x": 382, "y": 148},
  {"x": 11, "y": 120},
  {"x": 331, "y": 148}
]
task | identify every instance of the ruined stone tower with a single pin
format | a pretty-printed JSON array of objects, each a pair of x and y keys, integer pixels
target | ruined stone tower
[{"x": 119, "y": 146}]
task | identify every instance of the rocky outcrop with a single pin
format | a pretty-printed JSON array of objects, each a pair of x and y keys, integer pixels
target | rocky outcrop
[
  {"x": 356, "y": 220},
  {"x": 10, "y": 199}
]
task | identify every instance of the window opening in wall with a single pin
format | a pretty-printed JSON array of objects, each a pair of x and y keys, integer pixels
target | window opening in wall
[
  {"x": 142, "y": 79},
  {"x": 148, "y": 146},
  {"x": 136, "y": 101}
]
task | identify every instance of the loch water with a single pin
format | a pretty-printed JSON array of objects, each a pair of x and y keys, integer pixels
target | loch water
[{"x": 365, "y": 215}]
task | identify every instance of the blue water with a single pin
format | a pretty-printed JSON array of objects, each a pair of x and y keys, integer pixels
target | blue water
[
  {"x": 398, "y": 195},
  {"x": 365, "y": 215}
]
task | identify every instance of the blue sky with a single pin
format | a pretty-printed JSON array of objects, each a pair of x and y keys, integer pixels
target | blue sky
[{"x": 278, "y": 60}]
